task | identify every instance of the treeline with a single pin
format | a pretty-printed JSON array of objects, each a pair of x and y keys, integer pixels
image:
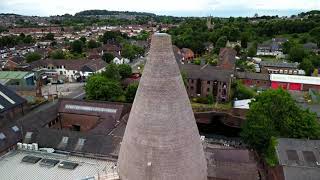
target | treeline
[
  {"x": 106, "y": 13},
  {"x": 194, "y": 34},
  {"x": 11, "y": 41}
]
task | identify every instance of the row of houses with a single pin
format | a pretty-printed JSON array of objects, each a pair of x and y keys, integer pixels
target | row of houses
[{"x": 275, "y": 47}]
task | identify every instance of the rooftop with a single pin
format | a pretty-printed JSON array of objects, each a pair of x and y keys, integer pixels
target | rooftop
[
  {"x": 12, "y": 167},
  {"x": 299, "y": 158},
  {"x": 13, "y": 74}
]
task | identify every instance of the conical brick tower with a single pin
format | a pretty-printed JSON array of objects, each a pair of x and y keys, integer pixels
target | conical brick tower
[{"x": 161, "y": 141}]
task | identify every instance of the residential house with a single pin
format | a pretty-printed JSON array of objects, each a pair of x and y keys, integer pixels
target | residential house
[
  {"x": 187, "y": 54},
  {"x": 208, "y": 80},
  {"x": 71, "y": 70},
  {"x": 311, "y": 47},
  {"x": 298, "y": 159},
  {"x": 227, "y": 59},
  {"x": 280, "y": 68},
  {"x": 120, "y": 60},
  {"x": 273, "y": 48}
]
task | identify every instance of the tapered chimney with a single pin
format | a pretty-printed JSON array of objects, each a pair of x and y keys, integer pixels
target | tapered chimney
[{"x": 161, "y": 140}]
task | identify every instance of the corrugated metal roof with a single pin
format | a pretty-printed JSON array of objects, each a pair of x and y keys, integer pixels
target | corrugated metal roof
[
  {"x": 295, "y": 79},
  {"x": 13, "y": 74}
]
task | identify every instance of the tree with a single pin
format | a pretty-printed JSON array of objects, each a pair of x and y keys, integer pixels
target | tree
[
  {"x": 125, "y": 70},
  {"x": 221, "y": 43},
  {"x": 252, "y": 50},
  {"x": 297, "y": 53},
  {"x": 110, "y": 36},
  {"x": 57, "y": 54},
  {"x": 244, "y": 40},
  {"x": 77, "y": 46},
  {"x": 131, "y": 51},
  {"x": 307, "y": 66},
  {"x": 107, "y": 57},
  {"x": 49, "y": 36},
  {"x": 33, "y": 57},
  {"x": 286, "y": 46},
  {"x": 92, "y": 44},
  {"x": 274, "y": 113},
  {"x": 131, "y": 92},
  {"x": 112, "y": 72},
  {"x": 237, "y": 48},
  {"x": 99, "y": 87},
  {"x": 242, "y": 92},
  {"x": 315, "y": 33},
  {"x": 83, "y": 39}
]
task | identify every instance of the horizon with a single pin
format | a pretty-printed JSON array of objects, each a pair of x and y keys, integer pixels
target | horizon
[{"x": 177, "y": 8}]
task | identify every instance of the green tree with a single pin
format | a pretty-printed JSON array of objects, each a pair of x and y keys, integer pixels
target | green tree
[
  {"x": 242, "y": 92},
  {"x": 274, "y": 113},
  {"x": 101, "y": 88},
  {"x": 244, "y": 40},
  {"x": 49, "y": 36},
  {"x": 83, "y": 39},
  {"x": 57, "y": 54},
  {"x": 307, "y": 66},
  {"x": 131, "y": 92},
  {"x": 30, "y": 57},
  {"x": 252, "y": 51},
  {"x": 221, "y": 43},
  {"x": 297, "y": 53},
  {"x": 125, "y": 70},
  {"x": 77, "y": 46},
  {"x": 315, "y": 33},
  {"x": 107, "y": 57},
  {"x": 92, "y": 44},
  {"x": 238, "y": 49},
  {"x": 112, "y": 72}
]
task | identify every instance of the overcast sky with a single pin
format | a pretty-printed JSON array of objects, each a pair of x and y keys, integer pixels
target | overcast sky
[{"x": 223, "y": 8}]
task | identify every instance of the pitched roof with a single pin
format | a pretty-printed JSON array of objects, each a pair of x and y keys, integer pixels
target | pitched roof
[
  {"x": 13, "y": 74},
  {"x": 279, "y": 64},
  {"x": 235, "y": 164},
  {"x": 299, "y": 158},
  {"x": 77, "y": 64},
  {"x": 250, "y": 75},
  {"x": 207, "y": 72},
  {"x": 9, "y": 99}
]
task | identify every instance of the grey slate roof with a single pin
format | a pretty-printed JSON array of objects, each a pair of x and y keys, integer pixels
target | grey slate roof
[
  {"x": 9, "y": 99},
  {"x": 278, "y": 64},
  {"x": 209, "y": 73},
  {"x": 299, "y": 158},
  {"x": 256, "y": 76}
]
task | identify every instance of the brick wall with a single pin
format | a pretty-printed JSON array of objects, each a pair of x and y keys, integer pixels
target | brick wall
[{"x": 85, "y": 122}]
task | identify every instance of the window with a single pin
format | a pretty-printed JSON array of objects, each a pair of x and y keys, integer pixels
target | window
[
  {"x": 15, "y": 128},
  {"x": 2, "y": 136},
  {"x": 208, "y": 89},
  {"x": 208, "y": 82}
]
